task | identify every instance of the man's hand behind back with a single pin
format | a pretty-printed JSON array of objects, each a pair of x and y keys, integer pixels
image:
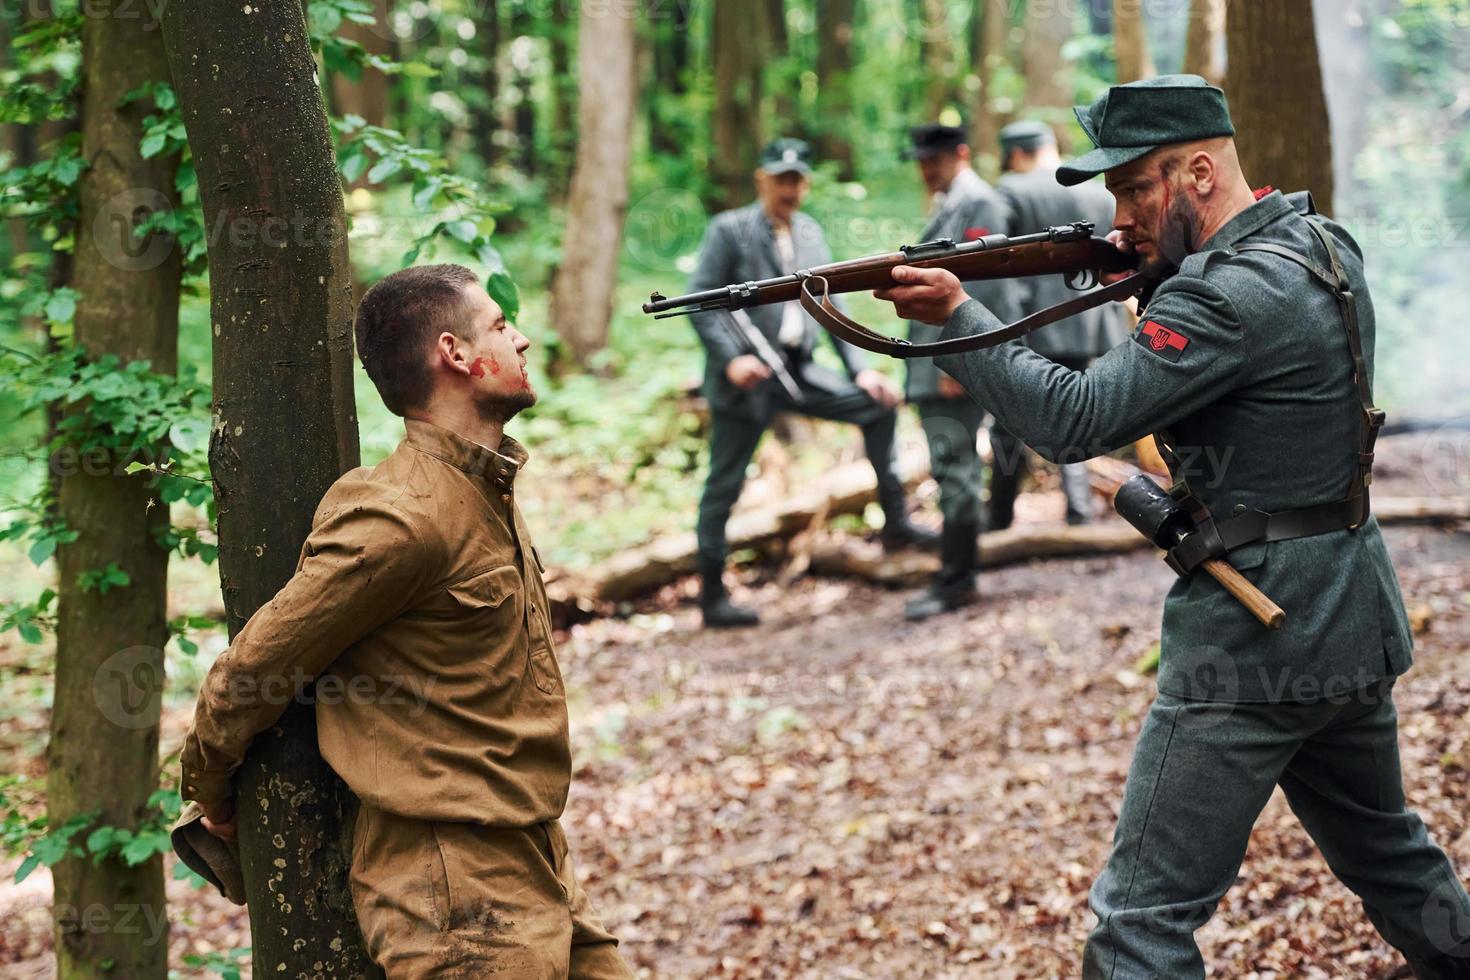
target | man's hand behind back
[{"x": 219, "y": 819}]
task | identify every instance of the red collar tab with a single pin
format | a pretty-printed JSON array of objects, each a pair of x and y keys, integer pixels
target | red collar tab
[{"x": 1268, "y": 189}]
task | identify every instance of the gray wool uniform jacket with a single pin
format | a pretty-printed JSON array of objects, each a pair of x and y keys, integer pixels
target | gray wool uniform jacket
[
  {"x": 1255, "y": 384},
  {"x": 1036, "y": 202},
  {"x": 971, "y": 208},
  {"x": 740, "y": 246}
]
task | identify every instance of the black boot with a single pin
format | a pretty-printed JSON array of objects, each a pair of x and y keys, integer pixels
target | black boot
[
  {"x": 904, "y": 533},
  {"x": 719, "y": 611},
  {"x": 954, "y": 586}
]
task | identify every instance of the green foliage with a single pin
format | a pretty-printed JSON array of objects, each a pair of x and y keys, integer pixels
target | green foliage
[
  {"x": 326, "y": 17},
  {"x": 41, "y": 83},
  {"x": 463, "y": 214},
  {"x": 226, "y": 964},
  {"x": 29, "y": 618},
  {"x": 79, "y": 836},
  {"x": 103, "y": 580}
]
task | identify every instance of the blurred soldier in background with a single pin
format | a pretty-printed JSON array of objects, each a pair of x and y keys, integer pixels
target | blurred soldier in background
[
  {"x": 1028, "y": 153},
  {"x": 964, "y": 208}
]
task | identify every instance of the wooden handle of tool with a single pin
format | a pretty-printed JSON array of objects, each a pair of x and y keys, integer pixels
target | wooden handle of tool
[{"x": 1259, "y": 604}]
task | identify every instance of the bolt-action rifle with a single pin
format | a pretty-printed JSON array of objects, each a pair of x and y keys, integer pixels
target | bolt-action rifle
[{"x": 1068, "y": 250}]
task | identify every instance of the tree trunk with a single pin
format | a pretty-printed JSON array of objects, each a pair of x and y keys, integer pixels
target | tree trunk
[
  {"x": 1276, "y": 97},
  {"x": 1048, "y": 76},
  {"x": 938, "y": 59},
  {"x": 1204, "y": 41},
  {"x": 366, "y": 96},
  {"x": 564, "y": 95},
  {"x": 485, "y": 120},
  {"x": 669, "y": 25},
  {"x": 285, "y": 426},
  {"x": 737, "y": 60},
  {"x": 991, "y": 23},
  {"x": 103, "y": 753},
  {"x": 524, "y": 111},
  {"x": 582, "y": 291},
  {"x": 1130, "y": 42},
  {"x": 834, "y": 81},
  {"x": 1344, "y": 41}
]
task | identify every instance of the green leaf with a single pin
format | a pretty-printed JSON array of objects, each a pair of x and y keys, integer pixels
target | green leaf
[
  {"x": 187, "y": 645},
  {"x": 142, "y": 847},
  {"x": 352, "y": 164},
  {"x": 31, "y": 863},
  {"x": 383, "y": 169},
  {"x": 41, "y": 549},
  {"x": 62, "y": 305},
  {"x": 502, "y": 289},
  {"x": 152, "y": 144},
  {"x": 66, "y": 170},
  {"x": 463, "y": 230},
  {"x": 29, "y": 631},
  {"x": 102, "y": 839}
]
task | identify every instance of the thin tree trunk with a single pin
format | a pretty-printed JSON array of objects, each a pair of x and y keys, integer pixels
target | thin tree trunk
[
  {"x": 485, "y": 120},
  {"x": 1204, "y": 41},
  {"x": 669, "y": 25},
  {"x": 938, "y": 58},
  {"x": 1048, "y": 76},
  {"x": 834, "y": 81},
  {"x": 737, "y": 61},
  {"x": 1130, "y": 42},
  {"x": 1276, "y": 97},
  {"x": 564, "y": 96},
  {"x": 524, "y": 112},
  {"x": 366, "y": 96},
  {"x": 103, "y": 753},
  {"x": 285, "y": 426},
  {"x": 991, "y": 23},
  {"x": 783, "y": 98},
  {"x": 582, "y": 292}
]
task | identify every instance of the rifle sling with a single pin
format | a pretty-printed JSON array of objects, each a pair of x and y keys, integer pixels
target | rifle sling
[{"x": 818, "y": 304}]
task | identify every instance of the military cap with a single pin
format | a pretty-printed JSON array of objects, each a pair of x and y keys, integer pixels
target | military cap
[
  {"x": 787, "y": 155},
  {"x": 932, "y": 139},
  {"x": 1130, "y": 121},
  {"x": 1028, "y": 135}
]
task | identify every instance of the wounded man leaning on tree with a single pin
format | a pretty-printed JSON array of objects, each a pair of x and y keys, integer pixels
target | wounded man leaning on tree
[
  {"x": 419, "y": 575},
  {"x": 1245, "y": 355}
]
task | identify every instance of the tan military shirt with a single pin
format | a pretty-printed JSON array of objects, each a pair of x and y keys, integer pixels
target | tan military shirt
[{"x": 418, "y": 605}]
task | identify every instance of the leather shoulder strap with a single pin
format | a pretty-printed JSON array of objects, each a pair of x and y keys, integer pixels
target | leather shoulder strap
[{"x": 818, "y": 304}]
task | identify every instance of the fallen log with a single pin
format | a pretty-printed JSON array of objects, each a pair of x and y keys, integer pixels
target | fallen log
[
  {"x": 848, "y": 490},
  {"x": 845, "y": 555}
]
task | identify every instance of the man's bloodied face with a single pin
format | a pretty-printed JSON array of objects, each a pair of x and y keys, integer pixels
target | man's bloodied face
[
  {"x": 1155, "y": 214},
  {"x": 496, "y": 353}
]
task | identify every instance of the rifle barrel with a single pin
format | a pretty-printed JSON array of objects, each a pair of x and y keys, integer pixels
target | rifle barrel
[{"x": 740, "y": 295}]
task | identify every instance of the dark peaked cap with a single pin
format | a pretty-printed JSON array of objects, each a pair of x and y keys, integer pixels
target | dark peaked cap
[{"x": 1130, "y": 121}]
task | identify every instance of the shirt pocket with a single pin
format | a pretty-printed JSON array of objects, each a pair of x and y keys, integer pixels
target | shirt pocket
[{"x": 488, "y": 589}]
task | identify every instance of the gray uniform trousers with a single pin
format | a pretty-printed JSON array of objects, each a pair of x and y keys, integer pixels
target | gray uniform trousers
[
  {"x": 734, "y": 438},
  {"x": 951, "y": 426},
  {"x": 1201, "y": 774},
  {"x": 1009, "y": 462}
]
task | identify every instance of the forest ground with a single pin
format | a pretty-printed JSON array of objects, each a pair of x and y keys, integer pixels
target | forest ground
[{"x": 841, "y": 794}]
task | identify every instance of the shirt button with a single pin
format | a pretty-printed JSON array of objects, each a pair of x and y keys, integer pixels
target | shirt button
[
  {"x": 505, "y": 497},
  {"x": 188, "y": 789}
]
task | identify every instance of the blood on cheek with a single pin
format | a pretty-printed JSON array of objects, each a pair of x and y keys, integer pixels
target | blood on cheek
[{"x": 477, "y": 369}]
